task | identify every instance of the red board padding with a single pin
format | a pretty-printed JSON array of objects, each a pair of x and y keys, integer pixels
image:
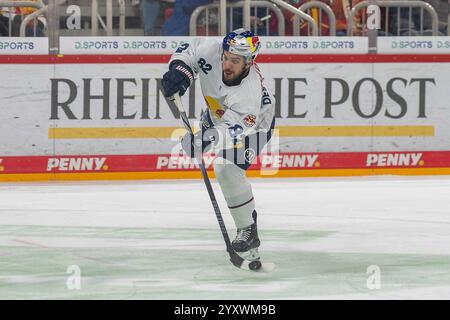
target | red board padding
[{"x": 167, "y": 162}]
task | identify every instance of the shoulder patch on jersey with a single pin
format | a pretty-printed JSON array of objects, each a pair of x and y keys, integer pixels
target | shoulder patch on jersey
[{"x": 249, "y": 120}]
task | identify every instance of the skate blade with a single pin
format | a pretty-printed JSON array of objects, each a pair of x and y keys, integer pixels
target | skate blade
[
  {"x": 251, "y": 255},
  {"x": 253, "y": 263}
]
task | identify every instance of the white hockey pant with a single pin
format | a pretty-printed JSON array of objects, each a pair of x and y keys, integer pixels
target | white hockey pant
[{"x": 236, "y": 190}]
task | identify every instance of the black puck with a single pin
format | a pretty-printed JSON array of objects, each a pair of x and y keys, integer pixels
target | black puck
[{"x": 255, "y": 265}]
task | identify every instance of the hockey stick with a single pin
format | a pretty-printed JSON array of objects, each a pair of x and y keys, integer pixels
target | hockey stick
[{"x": 235, "y": 259}]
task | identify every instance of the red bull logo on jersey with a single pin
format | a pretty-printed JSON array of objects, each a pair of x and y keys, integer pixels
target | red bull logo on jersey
[
  {"x": 76, "y": 164},
  {"x": 394, "y": 160},
  {"x": 250, "y": 120}
]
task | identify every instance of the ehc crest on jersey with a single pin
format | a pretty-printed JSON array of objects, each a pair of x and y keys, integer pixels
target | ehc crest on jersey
[
  {"x": 250, "y": 155},
  {"x": 250, "y": 120}
]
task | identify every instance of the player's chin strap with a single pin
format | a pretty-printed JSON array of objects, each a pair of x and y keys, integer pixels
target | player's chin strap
[{"x": 235, "y": 259}]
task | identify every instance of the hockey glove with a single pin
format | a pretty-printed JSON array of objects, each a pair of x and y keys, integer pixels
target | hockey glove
[
  {"x": 177, "y": 79},
  {"x": 195, "y": 145}
]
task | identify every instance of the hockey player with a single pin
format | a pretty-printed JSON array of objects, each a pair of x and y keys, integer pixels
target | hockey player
[{"x": 237, "y": 123}]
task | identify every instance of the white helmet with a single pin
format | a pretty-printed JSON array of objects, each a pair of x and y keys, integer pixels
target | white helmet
[{"x": 243, "y": 43}]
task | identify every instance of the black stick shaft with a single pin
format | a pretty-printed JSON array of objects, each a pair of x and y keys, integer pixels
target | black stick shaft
[
  {"x": 235, "y": 259},
  {"x": 214, "y": 204}
]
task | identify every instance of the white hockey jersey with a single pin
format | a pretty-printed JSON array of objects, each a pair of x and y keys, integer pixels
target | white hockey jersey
[{"x": 248, "y": 106}]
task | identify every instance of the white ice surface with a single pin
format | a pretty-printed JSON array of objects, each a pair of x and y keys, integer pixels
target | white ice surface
[{"x": 161, "y": 240}]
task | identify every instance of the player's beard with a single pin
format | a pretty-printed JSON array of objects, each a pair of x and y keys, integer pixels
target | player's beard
[{"x": 236, "y": 79}]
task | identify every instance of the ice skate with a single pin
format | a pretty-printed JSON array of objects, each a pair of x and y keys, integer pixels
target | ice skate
[{"x": 246, "y": 239}]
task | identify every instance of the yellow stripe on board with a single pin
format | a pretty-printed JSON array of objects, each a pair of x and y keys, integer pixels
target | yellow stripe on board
[
  {"x": 295, "y": 173},
  {"x": 355, "y": 131},
  {"x": 115, "y": 133},
  {"x": 284, "y": 131}
]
